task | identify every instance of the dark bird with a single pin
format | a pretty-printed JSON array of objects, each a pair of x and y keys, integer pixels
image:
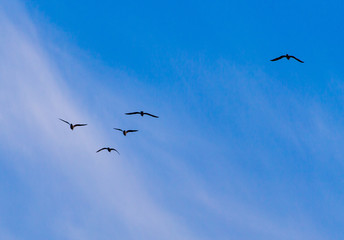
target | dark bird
[
  {"x": 142, "y": 113},
  {"x": 125, "y": 131},
  {"x": 286, "y": 56},
  {"x": 72, "y": 126},
  {"x": 109, "y": 149}
]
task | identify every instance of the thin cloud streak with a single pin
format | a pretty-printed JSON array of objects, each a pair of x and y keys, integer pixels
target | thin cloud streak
[{"x": 281, "y": 134}]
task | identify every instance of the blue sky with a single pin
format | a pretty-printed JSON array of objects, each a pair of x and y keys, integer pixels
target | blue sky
[{"x": 244, "y": 148}]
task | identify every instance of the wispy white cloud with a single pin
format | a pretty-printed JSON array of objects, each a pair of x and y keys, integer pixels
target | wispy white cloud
[
  {"x": 31, "y": 101},
  {"x": 75, "y": 193}
]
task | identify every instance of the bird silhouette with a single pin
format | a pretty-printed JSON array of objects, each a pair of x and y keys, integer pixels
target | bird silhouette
[
  {"x": 142, "y": 113},
  {"x": 72, "y": 126},
  {"x": 286, "y": 56},
  {"x": 109, "y": 149},
  {"x": 125, "y": 131}
]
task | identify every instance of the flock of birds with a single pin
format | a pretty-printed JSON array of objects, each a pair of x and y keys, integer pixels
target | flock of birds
[
  {"x": 125, "y": 132},
  {"x": 142, "y": 113}
]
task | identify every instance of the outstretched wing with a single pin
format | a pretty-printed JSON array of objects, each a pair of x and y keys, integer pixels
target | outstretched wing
[
  {"x": 131, "y": 131},
  {"x": 151, "y": 115},
  {"x": 79, "y": 125},
  {"x": 64, "y": 121},
  {"x": 275, "y": 59},
  {"x": 114, "y": 150},
  {"x": 101, "y": 149},
  {"x": 118, "y": 129},
  {"x": 131, "y": 113},
  {"x": 297, "y": 59}
]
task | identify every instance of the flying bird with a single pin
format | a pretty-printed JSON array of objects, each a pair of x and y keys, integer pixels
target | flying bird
[
  {"x": 142, "y": 113},
  {"x": 109, "y": 149},
  {"x": 286, "y": 56},
  {"x": 125, "y": 131},
  {"x": 72, "y": 126}
]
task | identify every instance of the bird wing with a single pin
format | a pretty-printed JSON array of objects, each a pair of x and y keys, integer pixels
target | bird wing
[
  {"x": 118, "y": 129},
  {"x": 297, "y": 59},
  {"x": 151, "y": 115},
  {"x": 131, "y": 113},
  {"x": 64, "y": 121},
  {"x": 114, "y": 150},
  {"x": 79, "y": 125},
  {"x": 132, "y": 131},
  {"x": 101, "y": 149},
  {"x": 275, "y": 59}
]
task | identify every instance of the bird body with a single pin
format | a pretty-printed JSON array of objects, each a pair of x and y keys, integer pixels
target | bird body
[
  {"x": 109, "y": 149},
  {"x": 142, "y": 113},
  {"x": 72, "y": 126},
  {"x": 287, "y": 57},
  {"x": 125, "y": 131}
]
